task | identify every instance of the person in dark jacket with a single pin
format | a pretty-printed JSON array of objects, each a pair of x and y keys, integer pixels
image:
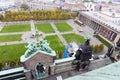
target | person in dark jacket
[{"x": 83, "y": 55}]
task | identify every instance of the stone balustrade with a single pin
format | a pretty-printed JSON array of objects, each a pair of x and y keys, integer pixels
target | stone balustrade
[{"x": 64, "y": 65}]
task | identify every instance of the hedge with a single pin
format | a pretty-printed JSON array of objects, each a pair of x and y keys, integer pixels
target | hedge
[
  {"x": 103, "y": 41},
  {"x": 79, "y": 23}
]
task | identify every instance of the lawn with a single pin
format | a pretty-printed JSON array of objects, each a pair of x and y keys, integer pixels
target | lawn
[
  {"x": 56, "y": 44},
  {"x": 46, "y": 28},
  {"x": 63, "y": 27},
  {"x": 73, "y": 37},
  {"x": 11, "y": 52},
  {"x": 16, "y": 28},
  {"x": 8, "y": 38}
]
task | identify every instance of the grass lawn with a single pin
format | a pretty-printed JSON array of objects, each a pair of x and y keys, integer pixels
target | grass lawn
[
  {"x": 7, "y": 38},
  {"x": 63, "y": 27},
  {"x": 56, "y": 44},
  {"x": 73, "y": 37},
  {"x": 46, "y": 28},
  {"x": 16, "y": 28},
  {"x": 11, "y": 52}
]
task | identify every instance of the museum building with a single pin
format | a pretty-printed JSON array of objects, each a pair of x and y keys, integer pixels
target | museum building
[{"x": 104, "y": 23}]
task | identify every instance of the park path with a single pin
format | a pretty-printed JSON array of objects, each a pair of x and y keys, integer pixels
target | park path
[
  {"x": 59, "y": 34},
  {"x": 32, "y": 26},
  {"x": 13, "y": 42},
  {"x": 50, "y": 34},
  {"x": 12, "y": 33},
  {"x": 1, "y": 25}
]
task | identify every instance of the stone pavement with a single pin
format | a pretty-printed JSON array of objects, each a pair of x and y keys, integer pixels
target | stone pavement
[
  {"x": 13, "y": 42},
  {"x": 32, "y": 26},
  {"x": 12, "y": 33},
  {"x": 1, "y": 26}
]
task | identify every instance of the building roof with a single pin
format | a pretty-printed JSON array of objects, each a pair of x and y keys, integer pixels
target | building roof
[
  {"x": 103, "y": 20},
  {"x": 75, "y": 5},
  {"x": 110, "y": 72},
  {"x": 36, "y": 47},
  {"x": 23, "y": 58}
]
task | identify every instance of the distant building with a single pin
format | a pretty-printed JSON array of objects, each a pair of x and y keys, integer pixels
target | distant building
[
  {"x": 68, "y": 1},
  {"x": 102, "y": 1},
  {"x": 4, "y": 4},
  {"x": 42, "y": 6},
  {"x": 73, "y": 7}
]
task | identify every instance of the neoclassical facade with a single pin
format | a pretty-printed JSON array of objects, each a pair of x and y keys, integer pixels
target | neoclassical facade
[{"x": 105, "y": 28}]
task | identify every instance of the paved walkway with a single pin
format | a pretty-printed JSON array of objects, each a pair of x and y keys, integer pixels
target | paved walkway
[
  {"x": 12, "y": 33},
  {"x": 1, "y": 26},
  {"x": 13, "y": 42},
  {"x": 32, "y": 26},
  {"x": 59, "y": 35}
]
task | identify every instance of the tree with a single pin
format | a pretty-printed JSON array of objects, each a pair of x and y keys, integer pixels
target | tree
[{"x": 24, "y": 6}]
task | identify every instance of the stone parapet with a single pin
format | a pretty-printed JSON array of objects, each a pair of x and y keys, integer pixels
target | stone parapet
[{"x": 65, "y": 65}]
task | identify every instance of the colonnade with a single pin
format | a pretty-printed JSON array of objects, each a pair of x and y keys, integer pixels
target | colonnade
[{"x": 98, "y": 27}]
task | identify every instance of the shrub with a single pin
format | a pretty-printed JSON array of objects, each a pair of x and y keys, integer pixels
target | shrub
[
  {"x": 96, "y": 48},
  {"x": 19, "y": 63},
  {"x": 12, "y": 63},
  {"x": 92, "y": 47},
  {"x": 60, "y": 54},
  {"x": 79, "y": 23},
  {"x": 1, "y": 66},
  {"x": 101, "y": 47},
  {"x": 103, "y": 41}
]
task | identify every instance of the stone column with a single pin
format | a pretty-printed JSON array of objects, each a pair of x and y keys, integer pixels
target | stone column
[
  {"x": 116, "y": 38},
  {"x": 52, "y": 69},
  {"x": 28, "y": 75}
]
